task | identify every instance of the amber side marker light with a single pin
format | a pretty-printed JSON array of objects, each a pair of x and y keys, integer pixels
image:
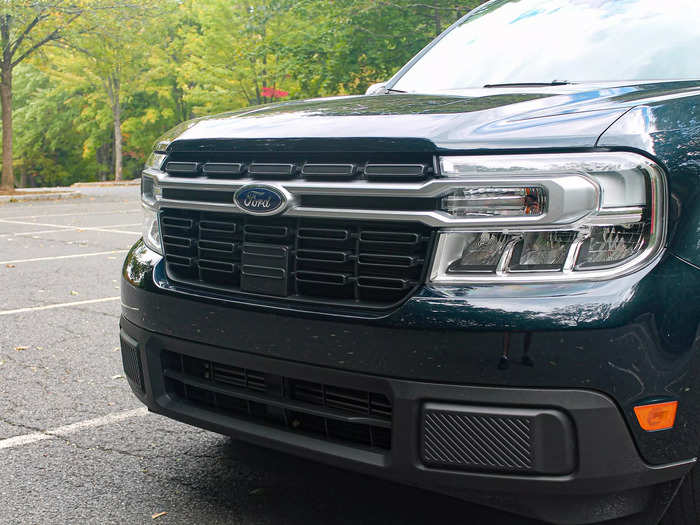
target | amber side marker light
[{"x": 659, "y": 416}]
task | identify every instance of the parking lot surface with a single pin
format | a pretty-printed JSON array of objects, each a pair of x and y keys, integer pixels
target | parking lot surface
[{"x": 77, "y": 447}]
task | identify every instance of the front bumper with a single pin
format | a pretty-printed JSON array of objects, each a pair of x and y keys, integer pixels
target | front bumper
[{"x": 431, "y": 351}]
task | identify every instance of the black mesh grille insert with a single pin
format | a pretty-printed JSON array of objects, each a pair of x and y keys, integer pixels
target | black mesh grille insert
[
  {"x": 327, "y": 411},
  {"x": 477, "y": 441},
  {"x": 351, "y": 263},
  {"x": 131, "y": 360}
]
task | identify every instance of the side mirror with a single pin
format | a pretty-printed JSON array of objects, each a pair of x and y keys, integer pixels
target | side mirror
[{"x": 376, "y": 89}]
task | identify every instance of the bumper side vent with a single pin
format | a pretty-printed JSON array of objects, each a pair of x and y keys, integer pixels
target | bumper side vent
[
  {"x": 131, "y": 361},
  {"x": 497, "y": 439}
]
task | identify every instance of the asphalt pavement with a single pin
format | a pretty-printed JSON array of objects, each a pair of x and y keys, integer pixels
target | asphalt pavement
[{"x": 77, "y": 447}]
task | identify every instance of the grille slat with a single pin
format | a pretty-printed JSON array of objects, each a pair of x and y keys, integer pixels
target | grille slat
[
  {"x": 323, "y": 256},
  {"x": 217, "y": 226},
  {"x": 350, "y": 264},
  {"x": 327, "y": 411}
]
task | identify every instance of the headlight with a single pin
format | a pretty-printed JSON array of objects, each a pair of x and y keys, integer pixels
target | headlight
[
  {"x": 155, "y": 160},
  {"x": 150, "y": 194},
  {"x": 151, "y": 230},
  {"x": 516, "y": 231}
]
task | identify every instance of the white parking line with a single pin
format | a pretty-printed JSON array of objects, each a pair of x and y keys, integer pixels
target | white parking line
[
  {"x": 57, "y": 257},
  {"x": 79, "y": 212},
  {"x": 77, "y": 228},
  {"x": 64, "y": 227},
  {"x": 73, "y": 428},
  {"x": 59, "y": 305},
  {"x": 28, "y": 233}
]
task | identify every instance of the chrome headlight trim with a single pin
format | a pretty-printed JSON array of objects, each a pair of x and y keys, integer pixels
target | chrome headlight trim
[
  {"x": 151, "y": 191},
  {"x": 152, "y": 233}
]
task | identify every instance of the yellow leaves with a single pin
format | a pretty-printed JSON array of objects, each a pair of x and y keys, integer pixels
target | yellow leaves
[{"x": 150, "y": 116}]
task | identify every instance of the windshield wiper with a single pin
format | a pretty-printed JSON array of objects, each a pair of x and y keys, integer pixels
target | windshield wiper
[
  {"x": 530, "y": 84},
  {"x": 392, "y": 90}
]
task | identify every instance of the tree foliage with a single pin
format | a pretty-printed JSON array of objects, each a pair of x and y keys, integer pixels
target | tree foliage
[{"x": 137, "y": 70}]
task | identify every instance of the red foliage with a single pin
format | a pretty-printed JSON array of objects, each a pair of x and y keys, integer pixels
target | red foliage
[{"x": 270, "y": 92}]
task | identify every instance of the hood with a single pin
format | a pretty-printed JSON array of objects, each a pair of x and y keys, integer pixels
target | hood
[{"x": 571, "y": 116}]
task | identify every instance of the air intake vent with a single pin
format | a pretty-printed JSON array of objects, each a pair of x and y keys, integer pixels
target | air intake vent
[
  {"x": 409, "y": 166},
  {"x": 220, "y": 169},
  {"x": 396, "y": 171},
  {"x": 272, "y": 171},
  {"x": 329, "y": 171},
  {"x": 182, "y": 169},
  {"x": 327, "y": 411},
  {"x": 371, "y": 265}
]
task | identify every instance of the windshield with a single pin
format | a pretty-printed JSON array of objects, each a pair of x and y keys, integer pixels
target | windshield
[{"x": 543, "y": 41}]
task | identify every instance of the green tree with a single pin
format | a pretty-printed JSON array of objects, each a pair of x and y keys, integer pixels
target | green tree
[
  {"x": 355, "y": 43},
  {"x": 118, "y": 75},
  {"x": 48, "y": 144},
  {"x": 25, "y": 27},
  {"x": 235, "y": 54},
  {"x": 109, "y": 55}
]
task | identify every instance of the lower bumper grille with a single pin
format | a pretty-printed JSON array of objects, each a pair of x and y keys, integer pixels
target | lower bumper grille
[
  {"x": 327, "y": 411},
  {"x": 348, "y": 263}
]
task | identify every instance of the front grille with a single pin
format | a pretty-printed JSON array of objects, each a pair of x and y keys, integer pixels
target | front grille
[
  {"x": 351, "y": 263},
  {"x": 327, "y": 411}
]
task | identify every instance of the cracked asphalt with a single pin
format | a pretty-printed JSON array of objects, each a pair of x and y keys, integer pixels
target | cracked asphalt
[{"x": 66, "y": 457}]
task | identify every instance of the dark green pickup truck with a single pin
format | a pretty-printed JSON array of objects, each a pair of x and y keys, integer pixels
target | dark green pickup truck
[{"x": 481, "y": 278}]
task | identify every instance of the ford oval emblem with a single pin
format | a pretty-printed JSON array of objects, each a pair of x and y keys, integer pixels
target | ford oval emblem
[{"x": 259, "y": 199}]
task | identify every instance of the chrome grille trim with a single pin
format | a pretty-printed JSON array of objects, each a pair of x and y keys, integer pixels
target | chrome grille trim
[{"x": 572, "y": 197}]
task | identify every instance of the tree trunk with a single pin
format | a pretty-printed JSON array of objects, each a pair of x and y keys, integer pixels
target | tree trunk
[
  {"x": 436, "y": 18},
  {"x": 117, "y": 112},
  {"x": 8, "y": 177}
]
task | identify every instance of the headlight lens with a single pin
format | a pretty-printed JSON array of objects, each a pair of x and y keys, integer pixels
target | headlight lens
[
  {"x": 542, "y": 251},
  {"x": 490, "y": 201},
  {"x": 151, "y": 230},
  {"x": 622, "y": 232},
  {"x": 607, "y": 245},
  {"x": 481, "y": 252}
]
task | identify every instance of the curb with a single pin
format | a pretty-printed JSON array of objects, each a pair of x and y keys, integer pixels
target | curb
[
  {"x": 4, "y": 199},
  {"x": 133, "y": 182}
]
